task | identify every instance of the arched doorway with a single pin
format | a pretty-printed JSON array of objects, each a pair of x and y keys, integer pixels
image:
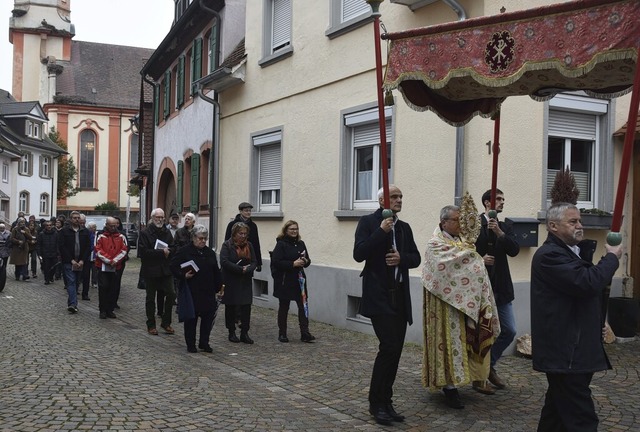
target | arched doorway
[{"x": 167, "y": 192}]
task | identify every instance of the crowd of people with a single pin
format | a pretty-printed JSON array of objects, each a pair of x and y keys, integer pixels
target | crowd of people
[{"x": 468, "y": 318}]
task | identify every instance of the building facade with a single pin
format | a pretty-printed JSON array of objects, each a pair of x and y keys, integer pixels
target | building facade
[
  {"x": 294, "y": 131},
  {"x": 90, "y": 91}
]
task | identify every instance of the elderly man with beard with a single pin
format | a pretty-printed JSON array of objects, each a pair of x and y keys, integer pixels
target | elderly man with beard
[
  {"x": 111, "y": 253},
  {"x": 566, "y": 321},
  {"x": 155, "y": 249}
]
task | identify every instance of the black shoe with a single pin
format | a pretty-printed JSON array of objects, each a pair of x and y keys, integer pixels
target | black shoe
[
  {"x": 394, "y": 415},
  {"x": 47, "y": 282},
  {"x": 232, "y": 337},
  {"x": 244, "y": 338},
  {"x": 111, "y": 315},
  {"x": 206, "y": 348},
  {"x": 35, "y": 276},
  {"x": 25, "y": 278},
  {"x": 381, "y": 415},
  {"x": 72, "y": 309},
  {"x": 103, "y": 315},
  {"x": 307, "y": 337},
  {"x": 283, "y": 338},
  {"x": 192, "y": 349},
  {"x": 86, "y": 298},
  {"x": 453, "y": 398}
]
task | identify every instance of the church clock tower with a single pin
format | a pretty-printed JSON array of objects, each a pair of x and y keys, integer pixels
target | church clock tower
[{"x": 41, "y": 33}]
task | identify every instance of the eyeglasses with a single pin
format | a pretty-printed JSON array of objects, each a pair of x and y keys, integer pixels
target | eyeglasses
[{"x": 201, "y": 238}]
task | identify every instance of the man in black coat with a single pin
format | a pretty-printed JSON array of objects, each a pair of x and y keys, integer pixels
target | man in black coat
[
  {"x": 245, "y": 216},
  {"x": 75, "y": 249},
  {"x": 389, "y": 250},
  {"x": 566, "y": 321},
  {"x": 47, "y": 249},
  {"x": 155, "y": 249},
  {"x": 495, "y": 242}
]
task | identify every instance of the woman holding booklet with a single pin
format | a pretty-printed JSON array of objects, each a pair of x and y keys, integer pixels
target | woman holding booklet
[
  {"x": 238, "y": 261},
  {"x": 196, "y": 267}
]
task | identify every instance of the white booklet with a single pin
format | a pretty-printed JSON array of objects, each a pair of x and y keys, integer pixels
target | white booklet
[
  {"x": 189, "y": 265},
  {"x": 108, "y": 268},
  {"x": 160, "y": 245}
]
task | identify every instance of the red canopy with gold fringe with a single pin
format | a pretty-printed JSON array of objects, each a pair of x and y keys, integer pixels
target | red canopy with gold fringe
[{"x": 467, "y": 68}]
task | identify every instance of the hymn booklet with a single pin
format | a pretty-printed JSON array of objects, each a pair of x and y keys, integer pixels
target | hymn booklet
[{"x": 189, "y": 265}]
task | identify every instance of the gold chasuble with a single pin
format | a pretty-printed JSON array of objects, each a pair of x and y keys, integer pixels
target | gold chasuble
[{"x": 459, "y": 311}]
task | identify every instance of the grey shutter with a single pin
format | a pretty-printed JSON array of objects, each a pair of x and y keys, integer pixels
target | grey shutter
[
  {"x": 572, "y": 125},
  {"x": 354, "y": 8},
  {"x": 369, "y": 134},
  {"x": 281, "y": 25},
  {"x": 270, "y": 167}
]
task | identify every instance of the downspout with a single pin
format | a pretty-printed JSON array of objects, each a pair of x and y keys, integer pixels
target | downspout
[
  {"x": 214, "y": 160},
  {"x": 149, "y": 196},
  {"x": 460, "y": 130}
]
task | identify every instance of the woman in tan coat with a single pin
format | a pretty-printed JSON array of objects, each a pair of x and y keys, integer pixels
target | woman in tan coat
[{"x": 20, "y": 239}]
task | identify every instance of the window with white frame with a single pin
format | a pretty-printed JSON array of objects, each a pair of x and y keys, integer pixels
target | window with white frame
[
  {"x": 362, "y": 173},
  {"x": 5, "y": 172},
  {"x": 44, "y": 204},
  {"x": 87, "y": 159},
  {"x": 45, "y": 166},
  {"x": 577, "y": 139},
  {"x": 26, "y": 164},
  {"x": 268, "y": 169},
  {"x": 277, "y": 30},
  {"x": 346, "y": 15},
  {"x": 23, "y": 202},
  {"x": 33, "y": 129}
]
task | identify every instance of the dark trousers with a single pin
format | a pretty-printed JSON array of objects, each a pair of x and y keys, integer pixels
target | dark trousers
[
  {"x": 390, "y": 330},
  {"x": 47, "y": 267},
  {"x": 85, "y": 278},
  {"x": 33, "y": 259},
  {"x": 22, "y": 271},
  {"x": 106, "y": 290},
  {"x": 153, "y": 285},
  {"x": 568, "y": 406},
  {"x": 118, "y": 284},
  {"x": 231, "y": 313},
  {"x": 206, "y": 324},
  {"x": 283, "y": 312},
  {"x": 160, "y": 301}
]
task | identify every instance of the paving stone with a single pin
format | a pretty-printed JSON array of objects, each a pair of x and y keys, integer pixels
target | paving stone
[{"x": 76, "y": 372}]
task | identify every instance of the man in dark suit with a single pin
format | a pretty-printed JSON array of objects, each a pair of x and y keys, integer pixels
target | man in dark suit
[
  {"x": 566, "y": 321},
  {"x": 495, "y": 242},
  {"x": 387, "y": 246}
]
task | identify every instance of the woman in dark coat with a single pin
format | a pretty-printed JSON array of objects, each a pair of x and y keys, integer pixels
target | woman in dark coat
[
  {"x": 20, "y": 239},
  {"x": 198, "y": 288},
  {"x": 289, "y": 259},
  {"x": 238, "y": 261}
]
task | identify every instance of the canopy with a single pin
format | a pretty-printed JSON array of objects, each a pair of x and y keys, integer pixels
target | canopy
[{"x": 462, "y": 69}]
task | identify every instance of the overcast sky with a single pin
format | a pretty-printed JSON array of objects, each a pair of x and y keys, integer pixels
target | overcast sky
[{"x": 118, "y": 22}]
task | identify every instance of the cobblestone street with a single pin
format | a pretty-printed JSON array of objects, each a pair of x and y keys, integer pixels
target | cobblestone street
[{"x": 78, "y": 372}]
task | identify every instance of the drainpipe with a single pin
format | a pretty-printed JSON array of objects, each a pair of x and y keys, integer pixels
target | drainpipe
[
  {"x": 214, "y": 160},
  {"x": 148, "y": 196},
  {"x": 460, "y": 131}
]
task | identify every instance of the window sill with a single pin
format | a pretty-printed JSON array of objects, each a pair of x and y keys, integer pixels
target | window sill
[
  {"x": 276, "y": 57},
  {"x": 352, "y": 214},
  {"x": 348, "y": 26},
  {"x": 274, "y": 215}
]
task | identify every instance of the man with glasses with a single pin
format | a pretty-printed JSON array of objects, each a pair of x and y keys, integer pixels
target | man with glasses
[
  {"x": 460, "y": 315},
  {"x": 155, "y": 248}
]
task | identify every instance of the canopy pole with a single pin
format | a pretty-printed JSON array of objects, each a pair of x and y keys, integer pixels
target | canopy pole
[
  {"x": 496, "y": 151},
  {"x": 626, "y": 152},
  {"x": 381, "y": 118}
]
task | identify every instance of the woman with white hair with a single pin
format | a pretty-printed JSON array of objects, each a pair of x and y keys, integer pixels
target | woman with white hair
[{"x": 183, "y": 235}]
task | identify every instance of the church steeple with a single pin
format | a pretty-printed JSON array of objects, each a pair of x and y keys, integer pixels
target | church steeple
[{"x": 41, "y": 33}]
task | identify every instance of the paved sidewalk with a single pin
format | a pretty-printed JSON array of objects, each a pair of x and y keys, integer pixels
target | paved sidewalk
[{"x": 77, "y": 372}]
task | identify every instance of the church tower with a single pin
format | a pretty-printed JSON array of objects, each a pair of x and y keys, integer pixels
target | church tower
[{"x": 41, "y": 33}]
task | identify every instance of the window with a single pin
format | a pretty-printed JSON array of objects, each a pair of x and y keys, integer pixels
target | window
[
  {"x": 180, "y": 82},
  {"x": 268, "y": 170},
  {"x": 133, "y": 154},
  {"x": 347, "y": 15},
  {"x": 23, "y": 202},
  {"x": 26, "y": 164},
  {"x": 362, "y": 173},
  {"x": 576, "y": 139},
  {"x": 33, "y": 129},
  {"x": 45, "y": 166},
  {"x": 87, "y": 159},
  {"x": 36, "y": 130},
  {"x": 180, "y": 8},
  {"x": 213, "y": 48},
  {"x": 44, "y": 204},
  {"x": 5, "y": 172},
  {"x": 277, "y": 31}
]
